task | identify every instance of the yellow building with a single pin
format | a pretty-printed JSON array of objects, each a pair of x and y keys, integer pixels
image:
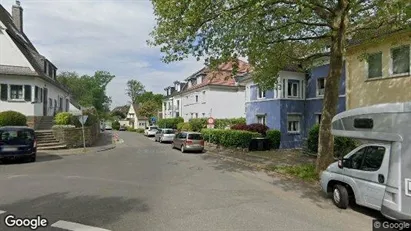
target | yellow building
[{"x": 382, "y": 78}]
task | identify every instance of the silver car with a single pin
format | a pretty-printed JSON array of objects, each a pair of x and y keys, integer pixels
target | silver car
[
  {"x": 164, "y": 135},
  {"x": 188, "y": 141}
]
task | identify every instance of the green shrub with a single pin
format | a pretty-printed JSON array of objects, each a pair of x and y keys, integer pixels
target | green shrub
[
  {"x": 63, "y": 118},
  {"x": 223, "y": 123},
  {"x": 275, "y": 138},
  {"x": 342, "y": 145},
  {"x": 198, "y": 124},
  {"x": 229, "y": 138},
  {"x": 115, "y": 125},
  {"x": 140, "y": 130},
  {"x": 12, "y": 118},
  {"x": 185, "y": 127},
  {"x": 170, "y": 122},
  {"x": 130, "y": 129},
  {"x": 304, "y": 171}
]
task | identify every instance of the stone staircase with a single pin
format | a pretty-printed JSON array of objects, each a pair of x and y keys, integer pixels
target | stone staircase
[
  {"x": 47, "y": 141},
  {"x": 46, "y": 123},
  {"x": 45, "y": 137}
]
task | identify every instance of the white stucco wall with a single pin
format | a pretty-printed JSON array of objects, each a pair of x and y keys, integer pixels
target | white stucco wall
[
  {"x": 219, "y": 103},
  {"x": 31, "y": 108},
  {"x": 10, "y": 53},
  {"x": 170, "y": 112}
]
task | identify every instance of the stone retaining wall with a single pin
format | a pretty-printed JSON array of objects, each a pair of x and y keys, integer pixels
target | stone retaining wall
[{"x": 73, "y": 137}]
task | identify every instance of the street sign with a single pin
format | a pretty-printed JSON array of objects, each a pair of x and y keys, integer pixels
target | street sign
[
  {"x": 210, "y": 120},
  {"x": 153, "y": 119},
  {"x": 83, "y": 119}
]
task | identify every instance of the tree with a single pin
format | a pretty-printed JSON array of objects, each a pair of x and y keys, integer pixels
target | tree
[
  {"x": 148, "y": 109},
  {"x": 134, "y": 89},
  {"x": 275, "y": 34},
  {"x": 150, "y": 96},
  {"x": 118, "y": 114},
  {"x": 89, "y": 90}
]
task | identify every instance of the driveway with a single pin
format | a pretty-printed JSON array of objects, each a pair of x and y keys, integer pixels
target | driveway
[{"x": 144, "y": 185}]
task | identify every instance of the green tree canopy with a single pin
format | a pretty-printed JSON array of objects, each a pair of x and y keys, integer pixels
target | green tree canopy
[
  {"x": 275, "y": 34},
  {"x": 150, "y": 96},
  {"x": 134, "y": 89},
  {"x": 148, "y": 109},
  {"x": 89, "y": 90}
]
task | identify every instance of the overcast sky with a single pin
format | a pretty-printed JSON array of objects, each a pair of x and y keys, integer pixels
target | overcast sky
[{"x": 110, "y": 35}]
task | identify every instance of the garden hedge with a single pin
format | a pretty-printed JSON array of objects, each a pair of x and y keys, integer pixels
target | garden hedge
[
  {"x": 64, "y": 118},
  {"x": 184, "y": 127},
  {"x": 115, "y": 125},
  {"x": 199, "y": 123},
  {"x": 12, "y": 118},
  {"x": 140, "y": 130},
  {"x": 229, "y": 138},
  {"x": 342, "y": 145},
  {"x": 275, "y": 138},
  {"x": 170, "y": 122},
  {"x": 260, "y": 128}
]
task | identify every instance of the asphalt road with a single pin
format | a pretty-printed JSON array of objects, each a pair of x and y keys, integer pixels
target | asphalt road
[{"x": 143, "y": 185}]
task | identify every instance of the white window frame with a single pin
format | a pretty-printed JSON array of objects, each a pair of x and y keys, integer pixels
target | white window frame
[
  {"x": 196, "y": 97},
  {"x": 392, "y": 61},
  {"x": 320, "y": 92},
  {"x": 260, "y": 93},
  {"x": 293, "y": 84},
  {"x": 295, "y": 119},
  {"x": 10, "y": 93},
  {"x": 367, "y": 69},
  {"x": 263, "y": 119}
]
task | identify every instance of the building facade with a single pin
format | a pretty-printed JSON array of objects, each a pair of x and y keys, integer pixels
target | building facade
[
  {"x": 207, "y": 93},
  {"x": 384, "y": 76},
  {"x": 293, "y": 106},
  {"x": 28, "y": 81}
]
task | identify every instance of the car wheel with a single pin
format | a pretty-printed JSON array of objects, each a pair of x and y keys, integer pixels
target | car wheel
[
  {"x": 183, "y": 150},
  {"x": 340, "y": 196},
  {"x": 31, "y": 158},
  {"x": 161, "y": 140}
]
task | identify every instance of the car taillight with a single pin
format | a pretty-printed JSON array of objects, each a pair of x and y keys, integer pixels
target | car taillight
[
  {"x": 35, "y": 144},
  {"x": 189, "y": 142}
]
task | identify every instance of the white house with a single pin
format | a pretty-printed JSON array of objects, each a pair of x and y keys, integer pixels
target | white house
[
  {"x": 207, "y": 93},
  {"x": 27, "y": 79},
  {"x": 135, "y": 120}
]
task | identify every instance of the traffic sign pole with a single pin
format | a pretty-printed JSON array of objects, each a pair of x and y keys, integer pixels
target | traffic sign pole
[{"x": 83, "y": 119}]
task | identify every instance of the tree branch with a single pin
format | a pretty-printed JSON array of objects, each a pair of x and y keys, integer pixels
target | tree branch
[{"x": 300, "y": 39}]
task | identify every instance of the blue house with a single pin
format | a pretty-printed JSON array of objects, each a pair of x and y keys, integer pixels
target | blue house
[{"x": 293, "y": 106}]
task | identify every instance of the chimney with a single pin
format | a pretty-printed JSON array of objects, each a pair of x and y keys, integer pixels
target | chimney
[{"x": 17, "y": 13}]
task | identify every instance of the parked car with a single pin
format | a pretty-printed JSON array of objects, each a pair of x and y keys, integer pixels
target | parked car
[
  {"x": 108, "y": 127},
  {"x": 122, "y": 128},
  {"x": 164, "y": 135},
  {"x": 18, "y": 142},
  {"x": 151, "y": 131},
  {"x": 188, "y": 141}
]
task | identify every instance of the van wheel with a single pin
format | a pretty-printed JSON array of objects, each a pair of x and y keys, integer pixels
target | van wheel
[
  {"x": 183, "y": 149},
  {"x": 340, "y": 196}
]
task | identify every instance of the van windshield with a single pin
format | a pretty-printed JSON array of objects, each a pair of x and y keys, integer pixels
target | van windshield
[
  {"x": 16, "y": 137},
  {"x": 195, "y": 137}
]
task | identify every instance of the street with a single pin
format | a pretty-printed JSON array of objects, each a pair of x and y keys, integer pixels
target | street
[{"x": 144, "y": 185}]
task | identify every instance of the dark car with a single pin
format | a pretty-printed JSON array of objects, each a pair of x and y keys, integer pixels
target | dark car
[
  {"x": 18, "y": 143},
  {"x": 122, "y": 128}
]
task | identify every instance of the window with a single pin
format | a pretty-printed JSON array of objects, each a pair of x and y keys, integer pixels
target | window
[
  {"x": 261, "y": 119},
  {"x": 293, "y": 123},
  {"x": 261, "y": 93},
  {"x": 203, "y": 115},
  {"x": 16, "y": 92},
  {"x": 318, "y": 118},
  {"x": 320, "y": 86},
  {"x": 41, "y": 96},
  {"x": 165, "y": 106},
  {"x": 178, "y": 104},
  {"x": 400, "y": 60},
  {"x": 61, "y": 104},
  {"x": 196, "y": 98},
  {"x": 50, "y": 103},
  {"x": 36, "y": 94},
  {"x": 375, "y": 65},
  {"x": 373, "y": 158},
  {"x": 356, "y": 159},
  {"x": 3, "y": 91},
  {"x": 196, "y": 115},
  {"x": 292, "y": 89},
  {"x": 177, "y": 114}
]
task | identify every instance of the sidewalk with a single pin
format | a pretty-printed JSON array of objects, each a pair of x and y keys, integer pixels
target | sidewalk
[{"x": 104, "y": 143}]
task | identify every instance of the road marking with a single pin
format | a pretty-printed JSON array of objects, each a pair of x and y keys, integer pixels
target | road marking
[
  {"x": 14, "y": 176},
  {"x": 75, "y": 226},
  {"x": 1, "y": 211}
]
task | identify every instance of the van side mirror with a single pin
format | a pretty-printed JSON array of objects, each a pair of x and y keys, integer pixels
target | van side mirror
[
  {"x": 344, "y": 163},
  {"x": 341, "y": 162}
]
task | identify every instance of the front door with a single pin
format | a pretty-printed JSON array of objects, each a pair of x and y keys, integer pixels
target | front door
[
  {"x": 45, "y": 101},
  {"x": 369, "y": 169}
]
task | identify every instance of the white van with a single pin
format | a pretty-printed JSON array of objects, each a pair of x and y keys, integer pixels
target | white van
[{"x": 376, "y": 174}]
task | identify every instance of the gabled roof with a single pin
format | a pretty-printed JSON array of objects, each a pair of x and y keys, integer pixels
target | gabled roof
[
  {"x": 136, "y": 108},
  {"x": 27, "y": 49}
]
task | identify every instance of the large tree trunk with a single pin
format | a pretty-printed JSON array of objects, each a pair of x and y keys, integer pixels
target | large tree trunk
[{"x": 326, "y": 140}]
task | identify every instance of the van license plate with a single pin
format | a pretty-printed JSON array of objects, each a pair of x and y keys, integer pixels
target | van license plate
[{"x": 9, "y": 149}]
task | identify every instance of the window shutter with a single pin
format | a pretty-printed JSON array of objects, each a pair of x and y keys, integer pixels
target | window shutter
[
  {"x": 36, "y": 94},
  {"x": 3, "y": 94},
  {"x": 27, "y": 92}
]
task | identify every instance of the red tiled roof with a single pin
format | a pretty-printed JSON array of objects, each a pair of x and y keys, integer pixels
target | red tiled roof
[{"x": 223, "y": 76}]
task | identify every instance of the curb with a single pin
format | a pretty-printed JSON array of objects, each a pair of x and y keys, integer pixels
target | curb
[{"x": 110, "y": 147}]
